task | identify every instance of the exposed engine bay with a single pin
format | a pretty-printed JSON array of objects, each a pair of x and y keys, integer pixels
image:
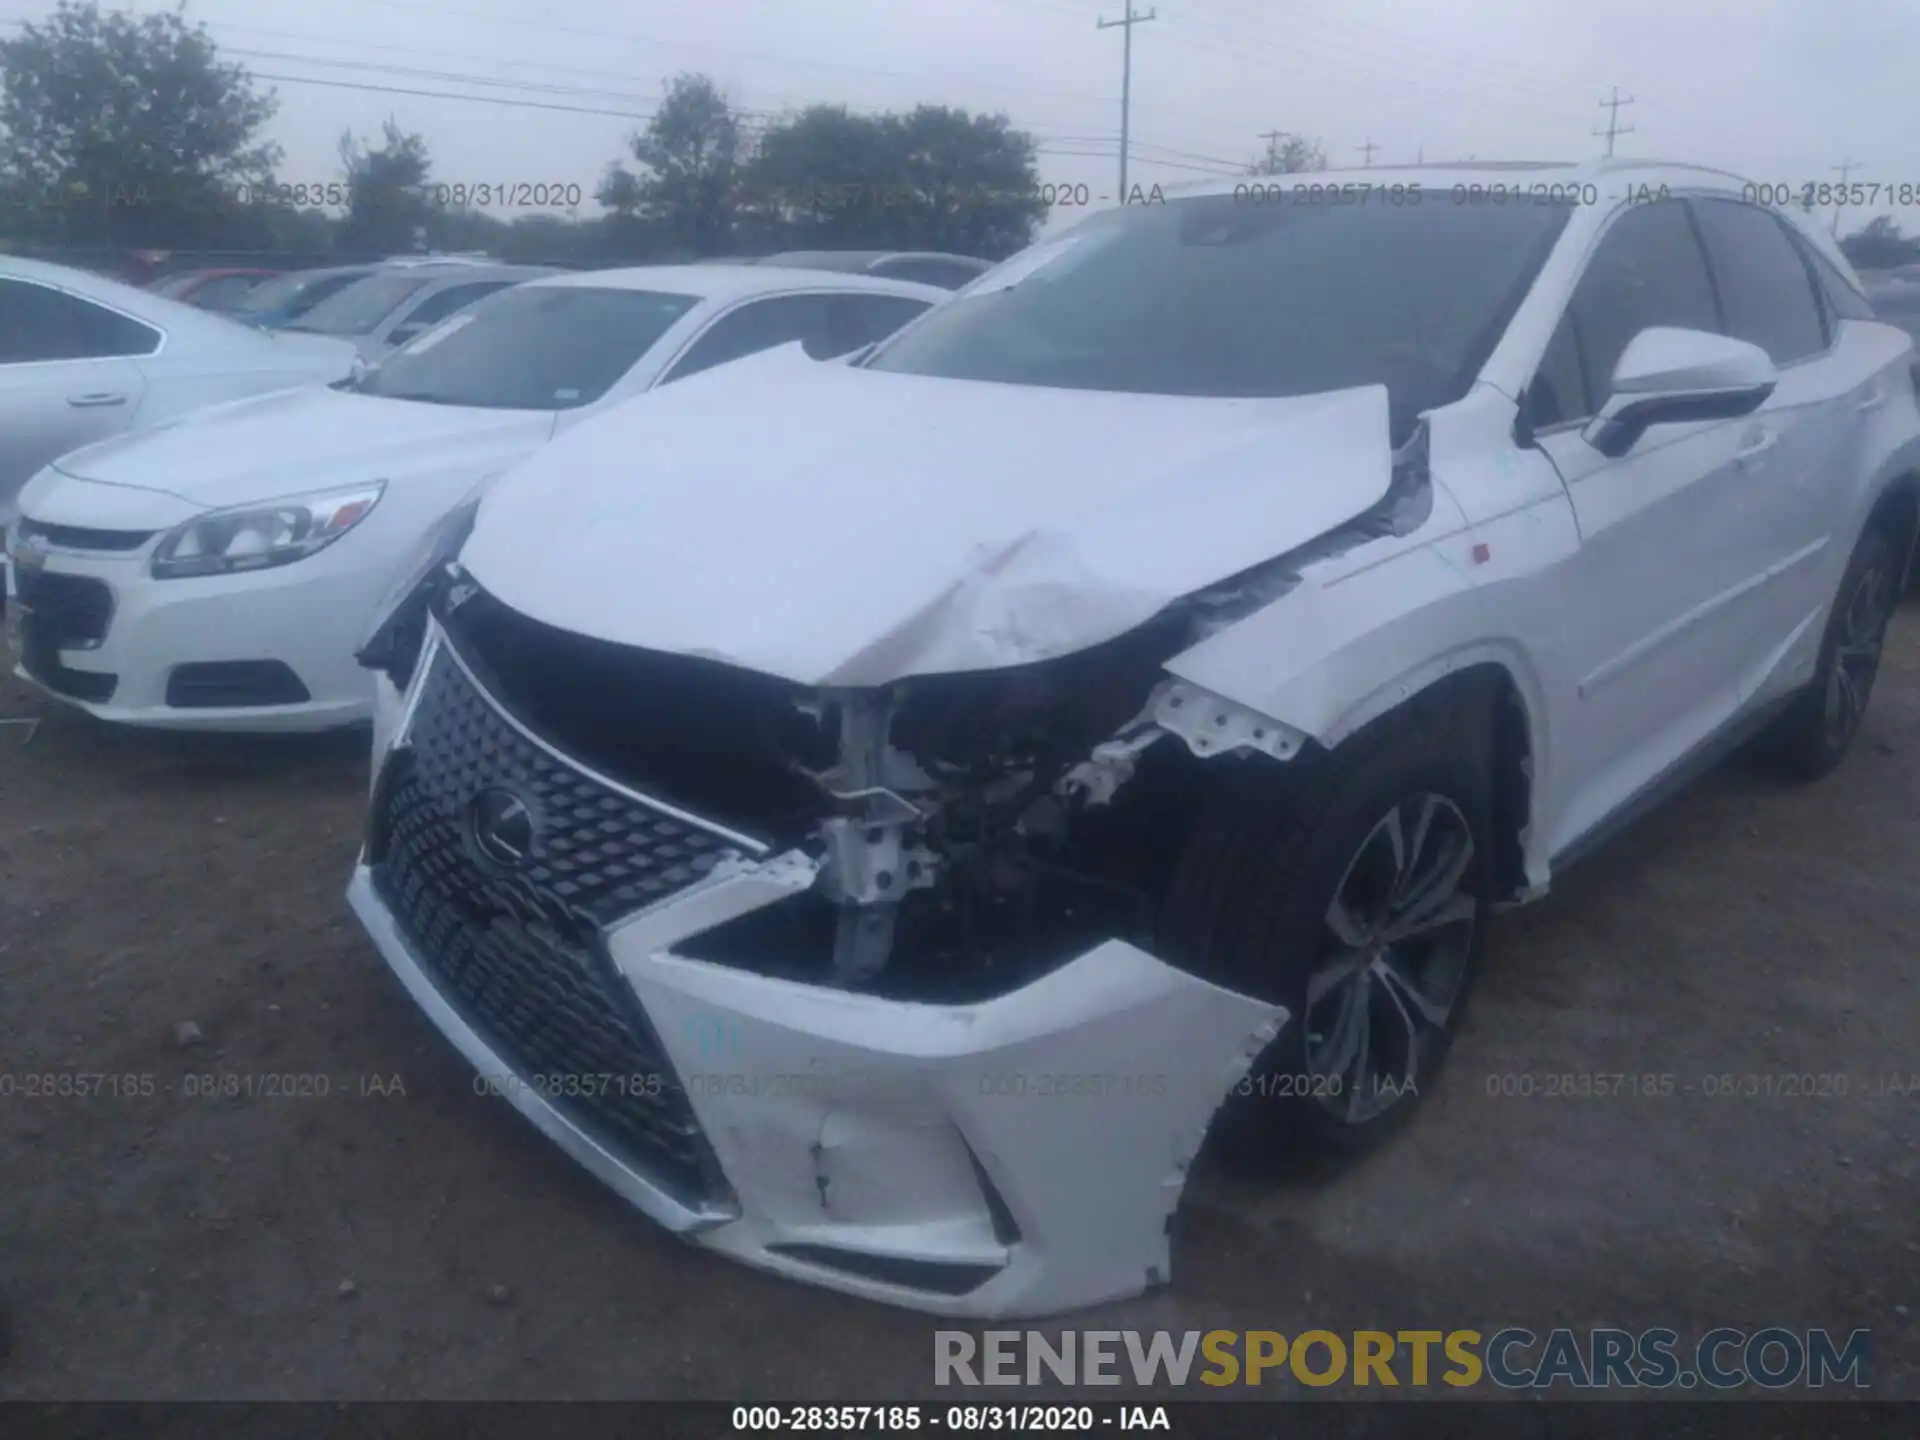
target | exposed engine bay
[
  {"x": 963, "y": 828},
  {"x": 972, "y": 830}
]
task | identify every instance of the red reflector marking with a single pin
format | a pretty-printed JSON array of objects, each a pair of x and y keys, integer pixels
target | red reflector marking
[{"x": 1481, "y": 554}]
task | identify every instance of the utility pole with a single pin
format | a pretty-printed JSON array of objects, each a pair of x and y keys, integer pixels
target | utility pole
[
  {"x": 1367, "y": 150},
  {"x": 1845, "y": 171},
  {"x": 1272, "y": 137},
  {"x": 1614, "y": 127},
  {"x": 1126, "y": 78}
]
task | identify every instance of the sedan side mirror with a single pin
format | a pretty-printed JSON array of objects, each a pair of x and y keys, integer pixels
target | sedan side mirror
[{"x": 1668, "y": 376}]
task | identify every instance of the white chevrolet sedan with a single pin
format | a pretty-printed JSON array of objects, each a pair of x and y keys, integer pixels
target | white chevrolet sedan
[
  {"x": 885, "y": 839},
  {"x": 83, "y": 357},
  {"x": 218, "y": 573}
]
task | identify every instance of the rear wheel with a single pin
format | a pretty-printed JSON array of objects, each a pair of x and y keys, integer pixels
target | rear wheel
[
  {"x": 1817, "y": 729},
  {"x": 1355, "y": 893}
]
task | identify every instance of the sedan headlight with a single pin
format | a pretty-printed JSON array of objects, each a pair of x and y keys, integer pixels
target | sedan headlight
[{"x": 258, "y": 537}]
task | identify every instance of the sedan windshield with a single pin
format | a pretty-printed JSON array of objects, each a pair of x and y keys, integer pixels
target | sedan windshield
[
  {"x": 539, "y": 347},
  {"x": 359, "y": 309},
  {"x": 287, "y": 291},
  {"x": 1227, "y": 295}
]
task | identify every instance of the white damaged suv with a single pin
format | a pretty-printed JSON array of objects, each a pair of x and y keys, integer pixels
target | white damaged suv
[{"x": 881, "y": 817}]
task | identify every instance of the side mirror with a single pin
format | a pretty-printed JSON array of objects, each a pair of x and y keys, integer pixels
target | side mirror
[{"x": 1669, "y": 376}]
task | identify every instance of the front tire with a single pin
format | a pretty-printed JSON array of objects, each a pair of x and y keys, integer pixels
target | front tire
[
  {"x": 1814, "y": 733},
  {"x": 1356, "y": 893}
]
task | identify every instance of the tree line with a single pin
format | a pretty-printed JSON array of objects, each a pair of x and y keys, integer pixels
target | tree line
[
  {"x": 124, "y": 133},
  {"x": 129, "y": 133}
]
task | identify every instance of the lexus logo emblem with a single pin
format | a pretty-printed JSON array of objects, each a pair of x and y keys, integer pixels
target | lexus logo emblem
[{"x": 503, "y": 826}]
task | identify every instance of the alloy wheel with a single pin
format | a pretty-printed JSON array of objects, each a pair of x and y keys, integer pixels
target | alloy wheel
[
  {"x": 1865, "y": 610},
  {"x": 1395, "y": 946}
]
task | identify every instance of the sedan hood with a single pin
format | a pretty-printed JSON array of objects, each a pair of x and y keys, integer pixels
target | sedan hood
[
  {"x": 270, "y": 446},
  {"x": 839, "y": 526}
]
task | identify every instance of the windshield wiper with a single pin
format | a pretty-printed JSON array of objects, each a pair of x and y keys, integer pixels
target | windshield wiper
[{"x": 420, "y": 397}]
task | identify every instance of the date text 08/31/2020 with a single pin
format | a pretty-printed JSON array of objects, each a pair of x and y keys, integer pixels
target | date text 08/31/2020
[{"x": 963, "y": 1419}]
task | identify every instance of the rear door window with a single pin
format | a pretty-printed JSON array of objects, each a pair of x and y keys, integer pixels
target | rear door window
[
  {"x": 39, "y": 323},
  {"x": 762, "y": 325},
  {"x": 1765, "y": 290},
  {"x": 862, "y": 319}
]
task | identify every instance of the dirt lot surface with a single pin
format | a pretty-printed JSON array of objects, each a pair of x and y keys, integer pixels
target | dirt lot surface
[{"x": 405, "y": 1237}]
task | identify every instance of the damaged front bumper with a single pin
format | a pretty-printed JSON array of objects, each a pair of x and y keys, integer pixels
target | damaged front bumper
[{"x": 1018, "y": 1156}]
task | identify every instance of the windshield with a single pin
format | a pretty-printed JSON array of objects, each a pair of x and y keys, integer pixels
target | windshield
[
  {"x": 536, "y": 348},
  {"x": 281, "y": 291},
  {"x": 272, "y": 295},
  {"x": 359, "y": 308},
  {"x": 852, "y": 261},
  {"x": 1224, "y": 295}
]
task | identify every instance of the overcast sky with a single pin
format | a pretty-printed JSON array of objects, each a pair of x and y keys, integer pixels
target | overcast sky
[{"x": 1779, "y": 90}]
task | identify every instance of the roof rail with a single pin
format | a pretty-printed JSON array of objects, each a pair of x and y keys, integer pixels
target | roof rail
[
  {"x": 1623, "y": 163},
  {"x": 436, "y": 257}
]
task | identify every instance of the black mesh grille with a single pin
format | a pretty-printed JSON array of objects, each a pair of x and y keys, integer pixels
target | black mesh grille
[
  {"x": 516, "y": 950},
  {"x": 72, "y": 611}
]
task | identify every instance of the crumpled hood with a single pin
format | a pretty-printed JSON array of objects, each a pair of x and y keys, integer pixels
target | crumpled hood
[
  {"x": 269, "y": 446},
  {"x": 839, "y": 526}
]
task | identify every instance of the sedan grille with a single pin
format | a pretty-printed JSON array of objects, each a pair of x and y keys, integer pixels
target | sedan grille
[
  {"x": 81, "y": 537},
  {"x": 513, "y": 943},
  {"x": 71, "y": 612}
]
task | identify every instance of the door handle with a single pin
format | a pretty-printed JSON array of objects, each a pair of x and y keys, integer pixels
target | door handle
[
  {"x": 96, "y": 399},
  {"x": 1871, "y": 403},
  {"x": 1752, "y": 453}
]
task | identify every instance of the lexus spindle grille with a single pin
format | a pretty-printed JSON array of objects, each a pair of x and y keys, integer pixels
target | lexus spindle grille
[{"x": 513, "y": 945}]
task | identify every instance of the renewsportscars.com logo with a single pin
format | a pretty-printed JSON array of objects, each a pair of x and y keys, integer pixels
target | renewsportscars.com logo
[{"x": 1512, "y": 1359}]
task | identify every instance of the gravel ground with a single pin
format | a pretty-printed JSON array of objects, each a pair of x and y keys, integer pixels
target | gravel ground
[{"x": 171, "y": 906}]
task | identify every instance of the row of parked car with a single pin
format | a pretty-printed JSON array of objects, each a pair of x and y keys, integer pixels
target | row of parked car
[
  {"x": 273, "y": 299},
  {"x": 1896, "y": 297},
  {"x": 423, "y": 380},
  {"x": 879, "y": 775}
]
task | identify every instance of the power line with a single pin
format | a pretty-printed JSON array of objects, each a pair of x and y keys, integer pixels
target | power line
[
  {"x": 1845, "y": 171},
  {"x": 1391, "y": 45},
  {"x": 453, "y": 77},
  {"x": 1110, "y": 152},
  {"x": 445, "y": 95},
  {"x": 1140, "y": 147},
  {"x": 756, "y": 118},
  {"x": 1612, "y": 107},
  {"x": 1126, "y": 78},
  {"x": 632, "y": 37},
  {"x": 1407, "y": 69}
]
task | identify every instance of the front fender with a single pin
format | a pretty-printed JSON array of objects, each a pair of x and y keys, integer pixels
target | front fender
[
  {"x": 1351, "y": 642},
  {"x": 1326, "y": 659}
]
